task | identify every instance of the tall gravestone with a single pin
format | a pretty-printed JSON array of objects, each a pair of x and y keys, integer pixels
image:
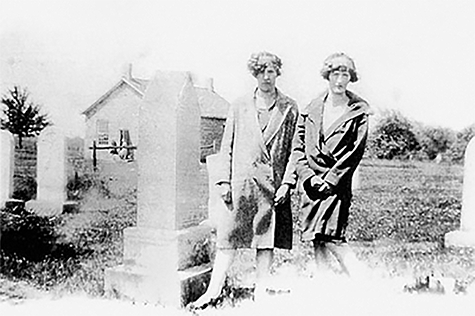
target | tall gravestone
[
  {"x": 55, "y": 165},
  {"x": 465, "y": 237},
  {"x": 166, "y": 257},
  {"x": 6, "y": 166}
]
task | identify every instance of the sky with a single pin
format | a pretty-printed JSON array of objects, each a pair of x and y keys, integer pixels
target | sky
[{"x": 416, "y": 57}]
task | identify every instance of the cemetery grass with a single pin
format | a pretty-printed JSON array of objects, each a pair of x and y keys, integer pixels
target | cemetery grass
[{"x": 398, "y": 220}]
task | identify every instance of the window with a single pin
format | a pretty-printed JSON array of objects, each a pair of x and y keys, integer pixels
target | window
[{"x": 102, "y": 132}]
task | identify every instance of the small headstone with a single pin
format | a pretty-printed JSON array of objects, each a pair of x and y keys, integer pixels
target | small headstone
[
  {"x": 166, "y": 256},
  {"x": 465, "y": 237},
  {"x": 51, "y": 170},
  {"x": 6, "y": 166},
  {"x": 57, "y": 159}
]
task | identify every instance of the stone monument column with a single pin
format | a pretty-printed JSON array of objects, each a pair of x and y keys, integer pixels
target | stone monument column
[
  {"x": 6, "y": 166},
  {"x": 465, "y": 237},
  {"x": 166, "y": 257}
]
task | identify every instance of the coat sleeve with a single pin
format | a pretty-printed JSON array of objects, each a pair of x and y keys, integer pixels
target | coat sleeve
[
  {"x": 226, "y": 151},
  {"x": 350, "y": 160},
  {"x": 299, "y": 158},
  {"x": 290, "y": 174}
]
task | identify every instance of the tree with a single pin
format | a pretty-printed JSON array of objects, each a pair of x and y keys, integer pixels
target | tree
[
  {"x": 457, "y": 149},
  {"x": 393, "y": 137},
  {"x": 22, "y": 117},
  {"x": 434, "y": 140}
]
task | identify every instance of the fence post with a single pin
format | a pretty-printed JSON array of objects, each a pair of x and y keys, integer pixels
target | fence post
[{"x": 94, "y": 155}]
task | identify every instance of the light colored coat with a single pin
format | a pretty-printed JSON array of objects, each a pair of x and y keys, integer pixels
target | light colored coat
[
  {"x": 255, "y": 164},
  {"x": 331, "y": 156}
]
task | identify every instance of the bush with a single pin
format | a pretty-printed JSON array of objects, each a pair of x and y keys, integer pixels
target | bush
[
  {"x": 434, "y": 141},
  {"x": 24, "y": 188},
  {"x": 456, "y": 152},
  {"x": 30, "y": 249},
  {"x": 26, "y": 235},
  {"x": 80, "y": 185},
  {"x": 69, "y": 250},
  {"x": 393, "y": 138},
  {"x": 397, "y": 137}
]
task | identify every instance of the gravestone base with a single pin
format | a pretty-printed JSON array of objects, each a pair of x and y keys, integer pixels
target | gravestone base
[
  {"x": 162, "y": 266},
  {"x": 460, "y": 238},
  {"x": 12, "y": 203},
  {"x": 134, "y": 282},
  {"x": 52, "y": 208}
]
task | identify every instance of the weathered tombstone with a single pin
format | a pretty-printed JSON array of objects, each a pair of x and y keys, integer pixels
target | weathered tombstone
[
  {"x": 6, "y": 166},
  {"x": 55, "y": 165},
  {"x": 356, "y": 180},
  {"x": 465, "y": 237},
  {"x": 166, "y": 257}
]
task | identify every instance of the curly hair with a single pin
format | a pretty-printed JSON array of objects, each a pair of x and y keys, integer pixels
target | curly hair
[
  {"x": 339, "y": 61},
  {"x": 258, "y": 62}
]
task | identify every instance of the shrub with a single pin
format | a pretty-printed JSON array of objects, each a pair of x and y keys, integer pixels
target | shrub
[
  {"x": 26, "y": 235},
  {"x": 24, "y": 188},
  {"x": 456, "y": 151},
  {"x": 393, "y": 137},
  {"x": 70, "y": 250},
  {"x": 31, "y": 250},
  {"x": 434, "y": 140},
  {"x": 79, "y": 186}
]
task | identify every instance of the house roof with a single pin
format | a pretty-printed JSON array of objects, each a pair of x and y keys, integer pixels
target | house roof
[
  {"x": 140, "y": 84},
  {"x": 133, "y": 84},
  {"x": 211, "y": 104}
]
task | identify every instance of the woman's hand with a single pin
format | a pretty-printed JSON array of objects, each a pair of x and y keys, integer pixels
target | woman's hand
[
  {"x": 282, "y": 194},
  {"x": 225, "y": 192},
  {"x": 326, "y": 188}
]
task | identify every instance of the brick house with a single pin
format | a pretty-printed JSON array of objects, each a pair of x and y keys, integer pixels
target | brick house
[{"x": 115, "y": 115}]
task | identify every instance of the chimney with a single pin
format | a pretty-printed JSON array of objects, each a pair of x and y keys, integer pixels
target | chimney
[
  {"x": 202, "y": 81},
  {"x": 129, "y": 72}
]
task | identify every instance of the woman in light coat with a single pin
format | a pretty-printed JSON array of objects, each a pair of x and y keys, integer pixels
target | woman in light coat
[{"x": 254, "y": 178}]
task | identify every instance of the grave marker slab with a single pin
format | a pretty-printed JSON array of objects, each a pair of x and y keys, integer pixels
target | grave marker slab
[
  {"x": 465, "y": 237},
  {"x": 166, "y": 259},
  {"x": 6, "y": 166},
  {"x": 58, "y": 157}
]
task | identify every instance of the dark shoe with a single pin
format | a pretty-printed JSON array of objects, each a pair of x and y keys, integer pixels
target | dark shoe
[{"x": 210, "y": 303}]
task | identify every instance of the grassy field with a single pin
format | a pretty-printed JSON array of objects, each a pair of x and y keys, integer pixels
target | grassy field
[
  {"x": 399, "y": 217},
  {"x": 398, "y": 220},
  {"x": 401, "y": 214}
]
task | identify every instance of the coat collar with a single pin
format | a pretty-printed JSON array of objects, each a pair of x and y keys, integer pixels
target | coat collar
[
  {"x": 356, "y": 107},
  {"x": 279, "y": 112},
  {"x": 281, "y": 109}
]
